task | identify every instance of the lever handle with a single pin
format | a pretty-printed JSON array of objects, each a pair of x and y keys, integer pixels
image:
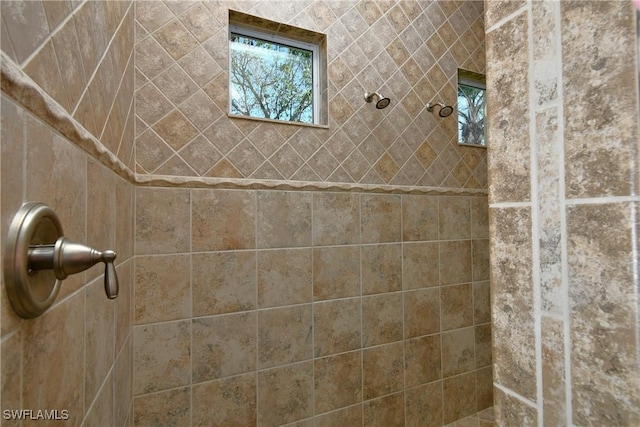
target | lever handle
[{"x": 66, "y": 257}]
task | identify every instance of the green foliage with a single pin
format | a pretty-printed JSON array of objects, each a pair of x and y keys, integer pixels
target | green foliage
[{"x": 471, "y": 115}]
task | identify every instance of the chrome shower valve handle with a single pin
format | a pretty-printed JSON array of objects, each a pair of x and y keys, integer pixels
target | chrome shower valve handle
[{"x": 37, "y": 258}]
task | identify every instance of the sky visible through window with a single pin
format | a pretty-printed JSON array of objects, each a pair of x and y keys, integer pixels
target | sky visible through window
[{"x": 270, "y": 80}]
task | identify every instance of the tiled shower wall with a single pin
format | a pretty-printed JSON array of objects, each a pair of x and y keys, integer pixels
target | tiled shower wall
[
  {"x": 564, "y": 169},
  {"x": 409, "y": 50},
  {"x": 77, "y": 356},
  {"x": 343, "y": 309}
]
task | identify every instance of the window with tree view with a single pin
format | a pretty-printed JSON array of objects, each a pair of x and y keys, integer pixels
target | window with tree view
[
  {"x": 272, "y": 77},
  {"x": 471, "y": 109}
]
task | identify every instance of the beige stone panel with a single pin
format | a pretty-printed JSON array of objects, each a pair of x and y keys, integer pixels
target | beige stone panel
[
  {"x": 387, "y": 411},
  {"x": 421, "y": 312},
  {"x": 336, "y": 272},
  {"x": 511, "y": 296},
  {"x": 381, "y": 267},
  {"x": 172, "y": 407},
  {"x": 495, "y": 11},
  {"x": 511, "y": 411},
  {"x": 336, "y": 219},
  {"x": 553, "y": 371},
  {"x": 424, "y": 405},
  {"x": 161, "y": 356},
  {"x": 382, "y": 370},
  {"x": 11, "y": 367},
  {"x": 456, "y": 304},
  {"x": 337, "y": 326},
  {"x": 460, "y": 397},
  {"x": 604, "y": 51},
  {"x": 507, "y": 105},
  {"x": 484, "y": 390},
  {"x": 162, "y": 288},
  {"x": 162, "y": 220},
  {"x": 454, "y": 218},
  {"x": 419, "y": 218},
  {"x": 52, "y": 360},
  {"x": 285, "y": 335},
  {"x": 223, "y": 346},
  {"x": 229, "y": 402},
  {"x": 223, "y": 220},
  {"x": 98, "y": 339},
  {"x": 284, "y": 277},
  {"x": 293, "y": 213},
  {"x": 455, "y": 261},
  {"x": 285, "y": 394},
  {"x": 380, "y": 218},
  {"x": 603, "y": 310},
  {"x": 337, "y": 381},
  {"x": 422, "y": 360},
  {"x": 343, "y": 417},
  {"x": 420, "y": 265},
  {"x": 381, "y": 319},
  {"x": 223, "y": 282}
]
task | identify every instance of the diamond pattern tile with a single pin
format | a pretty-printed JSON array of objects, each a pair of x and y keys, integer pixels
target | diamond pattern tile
[{"x": 409, "y": 51}]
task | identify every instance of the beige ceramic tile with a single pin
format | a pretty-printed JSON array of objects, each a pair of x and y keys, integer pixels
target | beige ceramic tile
[
  {"x": 168, "y": 407},
  {"x": 481, "y": 302},
  {"x": 223, "y": 346},
  {"x": 337, "y": 381},
  {"x": 381, "y": 319},
  {"x": 459, "y": 394},
  {"x": 422, "y": 360},
  {"x": 161, "y": 356},
  {"x": 26, "y": 24},
  {"x": 162, "y": 220},
  {"x": 336, "y": 219},
  {"x": 458, "y": 355},
  {"x": 285, "y": 394},
  {"x": 52, "y": 358},
  {"x": 455, "y": 262},
  {"x": 336, "y": 272},
  {"x": 223, "y": 220},
  {"x": 11, "y": 374},
  {"x": 98, "y": 338},
  {"x": 382, "y": 370},
  {"x": 101, "y": 216},
  {"x": 424, "y": 405},
  {"x": 336, "y": 326},
  {"x": 483, "y": 345},
  {"x": 422, "y": 312},
  {"x": 480, "y": 259},
  {"x": 454, "y": 215},
  {"x": 284, "y": 277},
  {"x": 381, "y": 267},
  {"x": 102, "y": 409},
  {"x": 293, "y": 227},
  {"x": 484, "y": 388},
  {"x": 123, "y": 381},
  {"x": 380, "y": 218},
  {"x": 386, "y": 411},
  {"x": 457, "y": 306},
  {"x": 223, "y": 282},
  {"x": 343, "y": 417},
  {"x": 419, "y": 218},
  {"x": 285, "y": 335},
  {"x": 226, "y": 402},
  {"x": 420, "y": 265}
]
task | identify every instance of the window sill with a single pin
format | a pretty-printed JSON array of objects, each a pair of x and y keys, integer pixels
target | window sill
[{"x": 282, "y": 122}]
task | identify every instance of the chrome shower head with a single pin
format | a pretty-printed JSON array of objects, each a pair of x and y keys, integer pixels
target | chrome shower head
[
  {"x": 445, "y": 110},
  {"x": 382, "y": 101}
]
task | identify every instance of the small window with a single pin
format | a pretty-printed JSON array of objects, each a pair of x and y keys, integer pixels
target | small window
[
  {"x": 471, "y": 109},
  {"x": 273, "y": 77}
]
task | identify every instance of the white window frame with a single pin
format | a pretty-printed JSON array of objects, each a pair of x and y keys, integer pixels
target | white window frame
[{"x": 263, "y": 35}]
